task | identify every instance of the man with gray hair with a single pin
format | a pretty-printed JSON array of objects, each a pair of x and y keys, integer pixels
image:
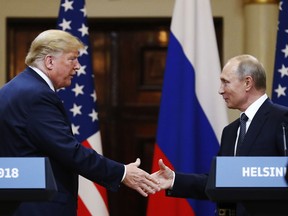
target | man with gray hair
[{"x": 243, "y": 86}]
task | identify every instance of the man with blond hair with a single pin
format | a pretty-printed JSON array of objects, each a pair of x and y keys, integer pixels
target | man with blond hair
[{"x": 33, "y": 123}]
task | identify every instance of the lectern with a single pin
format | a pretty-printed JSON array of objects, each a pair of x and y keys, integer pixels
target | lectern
[
  {"x": 256, "y": 182},
  {"x": 24, "y": 179}
]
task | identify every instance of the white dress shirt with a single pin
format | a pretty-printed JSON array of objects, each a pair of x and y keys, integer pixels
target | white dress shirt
[{"x": 250, "y": 113}]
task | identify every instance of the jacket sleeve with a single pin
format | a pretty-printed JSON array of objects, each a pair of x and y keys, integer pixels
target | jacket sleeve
[
  {"x": 189, "y": 186},
  {"x": 49, "y": 130}
]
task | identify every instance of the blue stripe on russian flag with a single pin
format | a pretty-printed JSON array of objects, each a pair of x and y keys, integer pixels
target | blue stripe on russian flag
[{"x": 184, "y": 132}]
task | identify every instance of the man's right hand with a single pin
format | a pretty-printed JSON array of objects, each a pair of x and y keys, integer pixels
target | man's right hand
[
  {"x": 165, "y": 176},
  {"x": 140, "y": 180}
]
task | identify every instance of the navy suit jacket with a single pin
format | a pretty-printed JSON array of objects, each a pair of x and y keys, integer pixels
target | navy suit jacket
[
  {"x": 263, "y": 138},
  {"x": 33, "y": 123}
]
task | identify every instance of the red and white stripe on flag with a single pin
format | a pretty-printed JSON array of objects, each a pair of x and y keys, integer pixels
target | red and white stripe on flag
[{"x": 93, "y": 198}]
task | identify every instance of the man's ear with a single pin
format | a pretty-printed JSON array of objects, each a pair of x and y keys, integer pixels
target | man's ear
[
  {"x": 48, "y": 61},
  {"x": 248, "y": 82}
]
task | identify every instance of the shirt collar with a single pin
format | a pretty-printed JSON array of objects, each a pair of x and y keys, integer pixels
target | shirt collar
[
  {"x": 44, "y": 76},
  {"x": 253, "y": 108}
]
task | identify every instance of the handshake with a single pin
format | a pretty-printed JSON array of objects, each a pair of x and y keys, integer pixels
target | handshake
[{"x": 146, "y": 183}]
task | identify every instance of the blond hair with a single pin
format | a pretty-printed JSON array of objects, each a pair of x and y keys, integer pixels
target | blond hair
[{"x": 51, "y": 42}]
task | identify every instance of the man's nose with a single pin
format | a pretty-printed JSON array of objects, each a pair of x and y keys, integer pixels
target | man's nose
[
  {"x": 221, "y": 91},
  {"x": 77, "y": 65}
]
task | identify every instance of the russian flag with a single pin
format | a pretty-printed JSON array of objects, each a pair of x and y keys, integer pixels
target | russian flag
[{"x": 192, "y": 113}]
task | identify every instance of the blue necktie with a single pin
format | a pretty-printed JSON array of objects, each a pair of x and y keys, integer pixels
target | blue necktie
[{"x": 242, "y": 132}]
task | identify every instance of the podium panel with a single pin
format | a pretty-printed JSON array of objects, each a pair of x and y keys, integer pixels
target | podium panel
[
  {"x": 26, "y": 179},
  {"x": 256, "y": 182}
]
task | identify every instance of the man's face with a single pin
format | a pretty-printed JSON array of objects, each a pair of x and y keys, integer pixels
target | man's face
[
  {"x": 64, "y": 68},
  {"x": 232, "y": 88}
]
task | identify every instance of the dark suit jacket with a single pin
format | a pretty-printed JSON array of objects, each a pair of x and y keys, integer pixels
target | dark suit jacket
[
  {"x": 263, "y": 138},
  {"x": 33, "y": 123}
]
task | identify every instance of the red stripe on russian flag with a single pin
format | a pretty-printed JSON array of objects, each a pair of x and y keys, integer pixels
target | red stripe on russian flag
[{"x": 157, "y": 203}]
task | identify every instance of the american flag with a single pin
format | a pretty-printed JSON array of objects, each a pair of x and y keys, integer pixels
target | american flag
[
  {"x": 80, "y": 103},
  {"x": 280, "y": 81}
]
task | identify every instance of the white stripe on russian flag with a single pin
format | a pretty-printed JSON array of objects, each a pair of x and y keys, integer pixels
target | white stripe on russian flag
[{"x": 195, "y": 32}]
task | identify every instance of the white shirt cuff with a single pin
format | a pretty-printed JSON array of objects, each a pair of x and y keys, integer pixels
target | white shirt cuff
[
  {"x": 171, "y": 187},
  {"x": 124, "y": 174}
]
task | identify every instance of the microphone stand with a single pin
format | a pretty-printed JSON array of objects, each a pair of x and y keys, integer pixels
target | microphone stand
[{"x": 284, "y": 139}]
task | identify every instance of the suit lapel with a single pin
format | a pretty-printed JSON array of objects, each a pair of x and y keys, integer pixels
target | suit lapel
[
  {"x": 255, "y": 127},
  {"x": 228, "y": 139},
  {"x": 233, "y": 136}
]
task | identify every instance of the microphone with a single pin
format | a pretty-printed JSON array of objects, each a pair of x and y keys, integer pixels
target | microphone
[{"x": 284, "y": 138}]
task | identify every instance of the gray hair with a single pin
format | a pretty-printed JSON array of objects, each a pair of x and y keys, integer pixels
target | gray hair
[{"x": 250, "y": 66}]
